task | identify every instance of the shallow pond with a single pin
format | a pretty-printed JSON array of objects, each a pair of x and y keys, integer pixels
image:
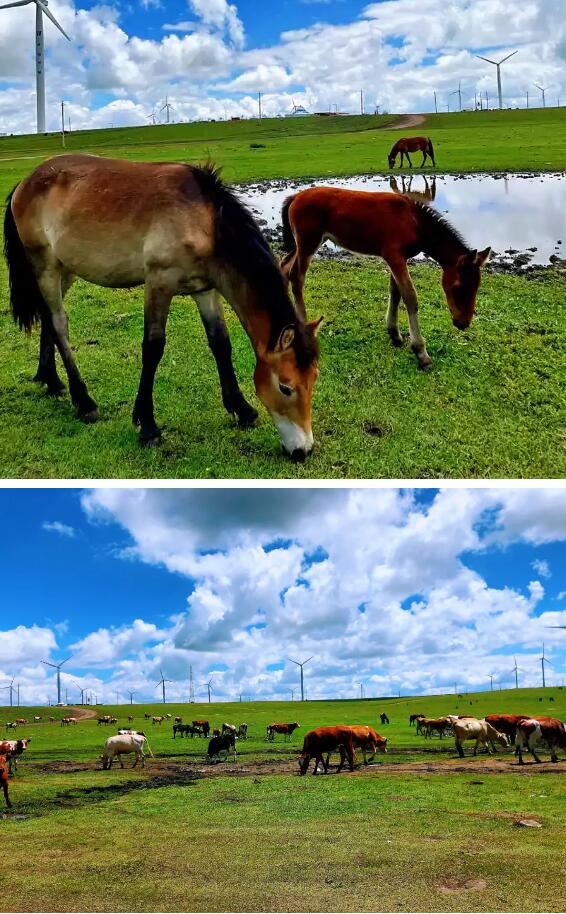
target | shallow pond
[{"x": 512, "y": 213}]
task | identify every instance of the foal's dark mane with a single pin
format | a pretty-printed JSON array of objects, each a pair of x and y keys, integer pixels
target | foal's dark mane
[
  {"x": 241, "y": 245},
  {"x": 442, "y": 234}
]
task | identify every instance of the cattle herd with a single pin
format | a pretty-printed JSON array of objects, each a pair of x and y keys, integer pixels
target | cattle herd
[{"x": 521, "y": 731}]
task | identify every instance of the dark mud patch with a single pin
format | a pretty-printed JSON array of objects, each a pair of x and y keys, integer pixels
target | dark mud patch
[{"x": 469, "y": 884}]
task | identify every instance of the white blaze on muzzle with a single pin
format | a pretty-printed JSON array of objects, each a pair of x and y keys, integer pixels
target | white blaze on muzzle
[{"x": 293, "y": 437}]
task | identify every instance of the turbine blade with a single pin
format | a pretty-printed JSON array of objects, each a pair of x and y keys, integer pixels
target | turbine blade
[
  {"x": 49, "y": 14},
  {"x": 494, "y": 62},
  {"x": 8, "y": 6},
  {"x": 508, "y": 56}
]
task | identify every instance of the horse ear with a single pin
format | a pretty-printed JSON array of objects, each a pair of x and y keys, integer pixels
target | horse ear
[
  {"x": 315, "y": 325},
  {"x": 286, "y": 338},
  {"x": 482, "y": 256}
]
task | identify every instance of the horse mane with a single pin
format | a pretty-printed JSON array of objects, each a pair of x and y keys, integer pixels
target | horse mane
[
  {"x": 441, "y": 230},
  {"x": 241, "y": 244}
]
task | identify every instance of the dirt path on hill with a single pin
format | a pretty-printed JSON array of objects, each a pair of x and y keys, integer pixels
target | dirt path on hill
[
  {"x": 405, "y": 120},
  {"x": 82, "y": 713}
]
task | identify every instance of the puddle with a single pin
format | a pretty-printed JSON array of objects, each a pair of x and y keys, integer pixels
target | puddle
[{"x": 513, "y": 213}]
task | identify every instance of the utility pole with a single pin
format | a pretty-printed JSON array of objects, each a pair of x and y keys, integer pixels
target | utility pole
[
  {"x": 63, "y": 124},
  {"x": 259, "y": 104},
  {"x": 191, "y": 686},
  {"x": 301, "y": 666},
  {"x": 292, "y": 691}
]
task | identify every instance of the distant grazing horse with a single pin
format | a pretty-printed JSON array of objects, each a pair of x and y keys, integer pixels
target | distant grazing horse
[
  {"x": 178, "y": 230},
  {"x": 389, "y": 226},
  {"x": 384, "y": 718},
  {"x": 409, "y": 144}
]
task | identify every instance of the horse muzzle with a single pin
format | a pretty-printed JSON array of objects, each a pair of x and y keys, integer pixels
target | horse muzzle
[{"x": 459, "y": 324}]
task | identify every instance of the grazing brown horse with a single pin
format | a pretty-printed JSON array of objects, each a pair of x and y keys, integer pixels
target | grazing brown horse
[
  {"x": 389, "y": 226},
  {"x": 409, "y": 144},
  {"x": 4, "y": 779},
  {"x": 178, "y": 230}
]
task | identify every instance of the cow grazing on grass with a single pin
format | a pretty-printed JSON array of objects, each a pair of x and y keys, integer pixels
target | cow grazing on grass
[
  {"x": 130, "y": 719},
  {"x": 535, "y": 730},
  {"x": 11, "y": 725},
  {"x": 178, "y": 720},
  {"x": 467, "y": 728},
  {"x": 36, "y": 719},
  {"x": 219, "y": 747},
  {"x": 147, "y": 716},
  {"x": 105, "y": 719},
  {"x": 506, "y": 723},
  {"x": 184, "y": 730},
  {"x": 123, "y": 744},
  {"x": 203, "y": 727},
  {"x": 51, "y": 720},
  {"x": 66, "y": 721},
  {"x": 216, "y": 732},
  {"x": 367, "y": 740},
  {"x": 229, "y": 728},
  {"x": 286, "y": 729},
  {"x": 4, "y": 779},
  {"x": 125, "y": 732},
  {"x": 439, "y": 725},
  {"x": 242, "y": 731},
  {"x": 21, "y": 721},
  {"x": 324, "y": 741},
  {"x": 157, "y": 720},
  {"x": 12, "y": 749},
  {"x": 384, "y": 718}
]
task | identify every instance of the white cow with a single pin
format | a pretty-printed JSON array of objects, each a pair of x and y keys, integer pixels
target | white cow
[
  {"x": 124, "y": 744},
  {"x": 481, "y": 731}
]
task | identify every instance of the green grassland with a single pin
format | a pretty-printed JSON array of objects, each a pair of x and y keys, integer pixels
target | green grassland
[
  {"x": 493, "y": 405},
  {"x": 413, "y": 832},
  {"x": 522, "y": 140}
]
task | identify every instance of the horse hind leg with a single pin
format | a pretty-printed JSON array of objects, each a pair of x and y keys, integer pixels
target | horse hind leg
[
  {"x": 211, "y": 312},
  {"x": 50, "y": 282},
  {"x": 46, "y": 369},
  {"x": 306, "y": 249}
]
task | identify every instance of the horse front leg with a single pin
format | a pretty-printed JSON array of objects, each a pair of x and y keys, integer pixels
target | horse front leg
[
  {"x": 158, "y": 295},
  {"x": 211, "y": 312},
  {"x": 393, "y": 313},
  {"x": 409, "y": 160},
  {"x": 46, "y": 369},
  {"x": 50, "y": 284},
  {"x": 398, "y": 267}
]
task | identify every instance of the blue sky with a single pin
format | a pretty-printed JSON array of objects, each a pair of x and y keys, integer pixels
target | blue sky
[
  {"x": 211, "y": 57},
  {"x": 129, "y": 582}
]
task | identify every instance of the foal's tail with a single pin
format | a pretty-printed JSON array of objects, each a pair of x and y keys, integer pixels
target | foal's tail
[
  {"x": 430, "y": 149},
  {"x": 26, "y": 299},
  {"x": 289, "y": 244}
]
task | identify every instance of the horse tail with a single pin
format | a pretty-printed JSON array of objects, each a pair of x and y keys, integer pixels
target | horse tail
[
  {"x": 289, "y": 243},
  {"x": 430, "y": 149},
  {"x": 25, "y": 297}
]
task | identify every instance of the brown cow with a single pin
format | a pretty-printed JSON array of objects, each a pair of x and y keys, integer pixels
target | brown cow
[
  {"x": 4, "y": 778},
  {"x": 203, "y": 725},
  {"x": 506, "y": 723},
  {"x": 326, "y": 740},
  {"x": 367, "y": 740},
  {"x": 286, "y": 729},
  {"x": 432, "y": 725},
  {"x": 534, "y": 730}
]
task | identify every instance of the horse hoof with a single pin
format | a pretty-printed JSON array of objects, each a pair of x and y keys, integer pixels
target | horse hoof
[
  {"x": 89, "y": 417},
  {"x": 55, "y": 390},
  {"x": 151, "y": 438},
  {"x": 396, "y": 340},
  {"x": 247, "y": 418}
]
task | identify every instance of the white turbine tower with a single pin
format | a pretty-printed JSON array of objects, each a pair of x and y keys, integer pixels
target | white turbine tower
[
  {"x": 40, "y": 9},
  {"x": 498, "y": 65}
]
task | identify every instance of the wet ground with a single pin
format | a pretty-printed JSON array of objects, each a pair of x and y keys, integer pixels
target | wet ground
[{"x": 520, "y": 215}]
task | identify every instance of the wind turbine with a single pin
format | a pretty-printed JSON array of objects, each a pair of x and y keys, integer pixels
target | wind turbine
[
  {"x": 543, "y": 90},
  {"x": 458, "y": 92},
  {"x": 12, "y": 690},
  {"x": 81, "y": 690},
  {"x": 209, "y": 687},
  {"x": 40, "y": 9},
  {"x": 167, "y": 107},
  {"x": 161, "y": 683},
  {"x": 151, "y": 117},
  {"x": 301, "y": 665},
  {"x": 543, "y": 660},
  {"x": 498, "y": 65},
  {"x": 131, "y": 693},
  {"x": 515, "y": 670},
  {"x": 490, "y": 676},
  {"x": 57, "y": 666}
]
